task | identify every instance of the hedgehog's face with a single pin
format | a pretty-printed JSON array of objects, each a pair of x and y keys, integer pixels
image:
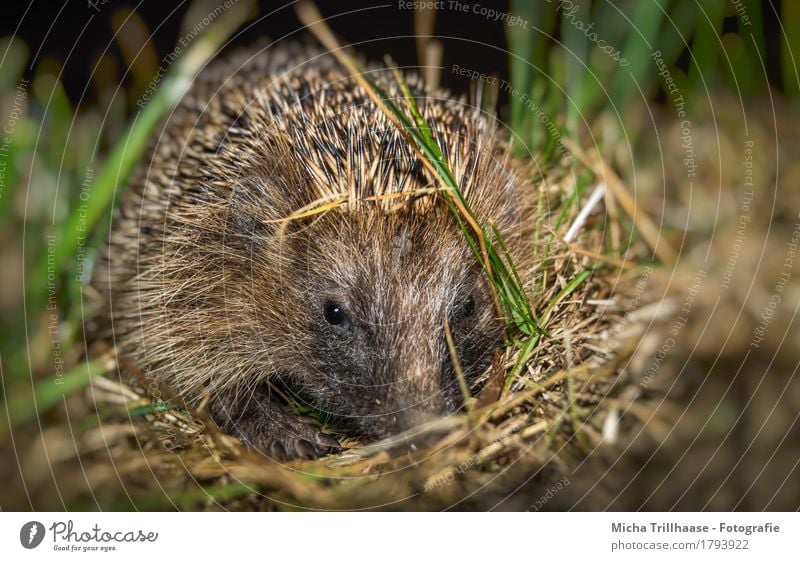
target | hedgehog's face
[{"x": 366, "y": 341}]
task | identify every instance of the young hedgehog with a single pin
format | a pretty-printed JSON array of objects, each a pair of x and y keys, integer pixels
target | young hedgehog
[{"x": 218, "y": 287}]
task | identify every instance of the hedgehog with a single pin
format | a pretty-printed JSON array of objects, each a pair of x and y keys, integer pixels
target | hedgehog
[{"x": 282, "y": 247}]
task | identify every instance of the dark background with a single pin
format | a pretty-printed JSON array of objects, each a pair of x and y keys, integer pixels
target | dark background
[
  {"x": 56, "y": 27},
  {"x": 76, "y": 34}
]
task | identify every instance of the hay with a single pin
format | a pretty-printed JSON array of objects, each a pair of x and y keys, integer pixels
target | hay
[{"x": 567, "y": 407}]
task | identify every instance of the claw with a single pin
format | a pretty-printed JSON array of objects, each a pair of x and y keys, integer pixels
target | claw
[
  {"x": 332, "y": 445},
  {"x": 277, "y": 450},
  {"x": 270, "y": 428},
  {"x": 302, "y": 447},
  {"x": 306, "y": 450}
]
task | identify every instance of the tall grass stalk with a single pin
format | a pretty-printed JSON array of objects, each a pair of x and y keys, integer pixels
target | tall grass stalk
[
  {"x": 484, "y": 240},
  {"x": 130, "y": 148}
]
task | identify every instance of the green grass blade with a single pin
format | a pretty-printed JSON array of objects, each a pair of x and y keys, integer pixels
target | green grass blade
[
  {"x": 644, "y": 27},
  {"x": 189, "y": 498},
  {"x": 751, "y": 29},
  {"x": 576, "y": 57},
  {"x": 705, "y": 45},
  {"x": 528, "y": 45},
  {"x": 128, "y": 151},
  {"x": 790, "y": 48},
  {"x": 564, "y": 292},
  {"x": 23, "y": 405},
  {"x": 676, "y": 33}
]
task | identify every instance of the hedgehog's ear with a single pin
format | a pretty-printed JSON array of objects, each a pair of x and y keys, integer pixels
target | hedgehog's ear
[
  {"x": 262, "y": 200},
  {"x": 245, "y": 223}
]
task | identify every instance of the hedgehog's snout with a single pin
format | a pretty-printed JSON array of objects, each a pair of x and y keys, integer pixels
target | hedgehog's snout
[
  {"x": 409, "y": 432},
  {"x": 407, "y": 410}
]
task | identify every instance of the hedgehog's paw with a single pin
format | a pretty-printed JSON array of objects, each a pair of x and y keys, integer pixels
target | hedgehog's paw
[
  {"x": 299, "y": 439},
  {"x": 264, "y": 424}
]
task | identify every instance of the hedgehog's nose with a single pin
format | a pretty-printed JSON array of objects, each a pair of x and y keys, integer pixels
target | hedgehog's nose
[
  {"x": 407, "y": 427},
  {"x": 407, "y": 431},
  {"x": 410, "y": 445},
  {"x": 417, "y": 417}
]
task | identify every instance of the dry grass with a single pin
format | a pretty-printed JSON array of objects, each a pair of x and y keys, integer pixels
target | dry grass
[
  {"x": 571, "y": 399},
  {"x": 567, "y": 423},
  {"x": 582, "y": 410}
]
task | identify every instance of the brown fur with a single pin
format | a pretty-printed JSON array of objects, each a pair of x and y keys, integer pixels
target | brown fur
[{"x": 215, "y": 293}]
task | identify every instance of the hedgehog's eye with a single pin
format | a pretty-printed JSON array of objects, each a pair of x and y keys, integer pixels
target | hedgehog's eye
[
  {"x": 466, "y": 307},
  {"x": 334, "y": 314}
]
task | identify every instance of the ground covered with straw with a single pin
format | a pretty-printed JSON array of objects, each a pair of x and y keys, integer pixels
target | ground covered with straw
[
  {"x": 667, "y": 378},
  {"x": 568, "y": 405}
]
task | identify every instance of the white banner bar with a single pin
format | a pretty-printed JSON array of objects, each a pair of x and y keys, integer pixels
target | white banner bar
[{"x": 407, "y": 537}]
